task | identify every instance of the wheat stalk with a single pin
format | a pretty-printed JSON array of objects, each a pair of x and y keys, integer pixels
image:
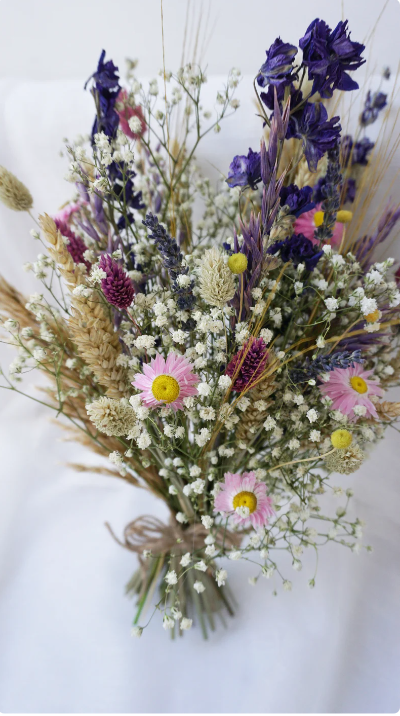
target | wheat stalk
[
  {"x": 387, "y": 411},
  {"x": 98, "y": 344}
]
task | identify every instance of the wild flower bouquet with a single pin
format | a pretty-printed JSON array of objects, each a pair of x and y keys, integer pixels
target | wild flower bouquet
[{"x": 230, "y": 365}]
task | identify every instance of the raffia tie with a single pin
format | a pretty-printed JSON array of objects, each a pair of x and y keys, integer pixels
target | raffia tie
[{"x": 149, "y": 533}]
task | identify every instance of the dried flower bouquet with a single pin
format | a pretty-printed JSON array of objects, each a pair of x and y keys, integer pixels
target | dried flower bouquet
[{"x": 231, "y": 365}]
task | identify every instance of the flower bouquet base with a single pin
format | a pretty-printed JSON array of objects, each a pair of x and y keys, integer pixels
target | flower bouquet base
[{"x": 162, "y": 548}]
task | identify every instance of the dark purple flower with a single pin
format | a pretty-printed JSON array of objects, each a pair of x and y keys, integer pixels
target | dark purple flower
[
  {"x": 244, "y": 170},
  {"x": 329, "y": 55},
  {"x": 254, "y": 355},
  {"x": 116, "y": 286},
  {"x": 350, "y": 190},
  {"x": 298, "y": 200},
  {"x": 346, "y": 147},
  {"x": 107, "y": 119},
  {"x": 105, "y": 91},
  {"x": 319, "y": 134},
  {"x": 357, "y": 153},
  {"x": 374, "y": 104},
  {"x": 267, "y": 97},
  {"x": 361, "y": 151},
  {"x": 122, "y": 178},
  {"x": 278, "y": 67},
  {"x": 75, "y": 245},
  {"x": 297, "y": 249},
  {"x": 106, "y": 76}
]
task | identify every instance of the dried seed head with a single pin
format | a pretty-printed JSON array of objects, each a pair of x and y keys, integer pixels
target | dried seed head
[
  {"x": 112, "y": 417},
  {"x": 345, "y": 460},
  {"x": 13, "y": 193},
  {"x": 217, "y": 285}
]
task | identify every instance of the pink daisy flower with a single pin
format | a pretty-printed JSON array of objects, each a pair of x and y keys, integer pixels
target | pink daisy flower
[
  {"x": 246, "y": 498},
  {"x": 349, "y": 387},
  {"x": 166, "y": 381},
  {"x": 308, "y": 222}
]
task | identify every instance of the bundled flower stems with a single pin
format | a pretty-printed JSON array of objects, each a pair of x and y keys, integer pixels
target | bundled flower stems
[{"x": 234, "y": 365}]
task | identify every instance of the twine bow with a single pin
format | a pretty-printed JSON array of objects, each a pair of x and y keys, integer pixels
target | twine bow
[{"x": 149, "y": 533}]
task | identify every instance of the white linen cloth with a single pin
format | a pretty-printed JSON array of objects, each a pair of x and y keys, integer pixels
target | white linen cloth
[{"x": 65, "y": 643}]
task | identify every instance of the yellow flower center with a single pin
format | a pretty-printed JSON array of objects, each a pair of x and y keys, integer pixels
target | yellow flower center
[
  {"x": 358, "y": 384},
  {"x": 318, "y": 218},
  {"x": 372, "y": 317},
  {"x": 245, "y": 499},
  {"x": 341, "y": 438},
  {"x": 343, "y": 217},
  {"x": 237, "y": 263},
  {"x": 165, "y": 388}
]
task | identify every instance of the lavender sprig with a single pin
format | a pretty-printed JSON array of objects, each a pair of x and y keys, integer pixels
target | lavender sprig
[
  {"x": 325, "y": 364},
  {"x": 331, "y": 190},
  {"x": 173, "y": 261}
]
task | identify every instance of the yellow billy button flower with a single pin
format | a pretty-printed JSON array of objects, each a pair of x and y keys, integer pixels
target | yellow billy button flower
[
  {"x": 373, "y": 317},
  {"x": 358, "y": 384},
  {"x": 245, "y": 499},
  {"x": 237, "y": 263},
  {"x": 165, "y": 388},
  {"x": 343, "y": 217},
  {"x": 341, "y": 439}
]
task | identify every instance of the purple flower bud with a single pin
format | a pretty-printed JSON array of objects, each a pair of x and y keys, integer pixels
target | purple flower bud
[
  {"x": 116, "y": 286},
  {"x": 253, "y": 366}
]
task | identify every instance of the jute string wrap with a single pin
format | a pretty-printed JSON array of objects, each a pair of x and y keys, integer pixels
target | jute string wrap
[{"x": 149, "y": 533}]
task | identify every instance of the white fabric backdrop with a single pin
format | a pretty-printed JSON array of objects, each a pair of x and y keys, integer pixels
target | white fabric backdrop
[{"x": 64, "y": 621}]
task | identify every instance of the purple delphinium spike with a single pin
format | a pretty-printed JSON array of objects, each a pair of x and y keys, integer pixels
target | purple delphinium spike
[
  {"x": 116, "y": 286},
  {"x": 75, "y": 245},
  {"x": 252, "y": 248},
  {"x": 89, "y": 229},
  {"x": 98, "y": 213}
]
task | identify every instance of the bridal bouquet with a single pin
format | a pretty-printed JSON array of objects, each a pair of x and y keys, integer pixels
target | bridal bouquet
[{"x": 232, "y": 364}]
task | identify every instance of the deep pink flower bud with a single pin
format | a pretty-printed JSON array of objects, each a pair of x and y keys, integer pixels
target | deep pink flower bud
[
  {"x": 253, "y": 366},
  {"x": 126, "y": 113},
  {"x": 75, "y": 245},
  {"x": 116, "y": 286}
]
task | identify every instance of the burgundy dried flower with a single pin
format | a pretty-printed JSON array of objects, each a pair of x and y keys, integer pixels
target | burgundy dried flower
[
  {"x": 75, "y": 245},
  {"x": 256, "y": 358},
  {"x": 116, "y": 286}
]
